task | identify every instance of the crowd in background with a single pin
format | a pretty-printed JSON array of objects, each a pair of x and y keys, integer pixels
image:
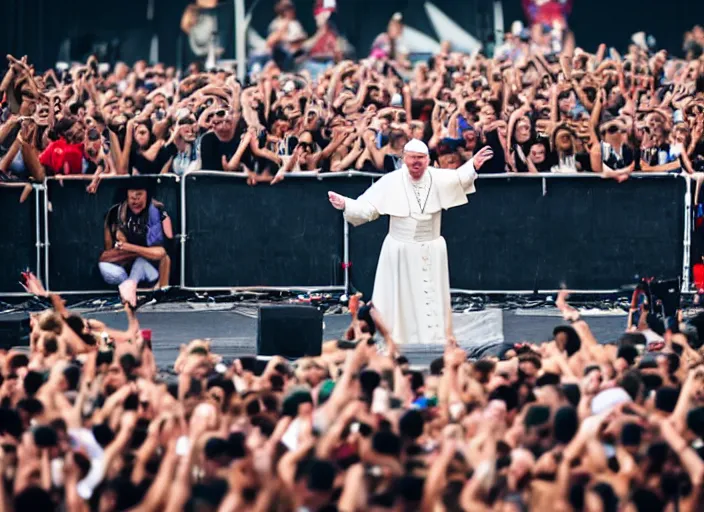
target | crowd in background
[{"x": 541, "y": 104}]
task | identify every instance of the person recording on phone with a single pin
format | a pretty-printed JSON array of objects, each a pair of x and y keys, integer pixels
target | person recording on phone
[
  {"x": 227, "y": 145},
  {"x": 136, "y": 231}
]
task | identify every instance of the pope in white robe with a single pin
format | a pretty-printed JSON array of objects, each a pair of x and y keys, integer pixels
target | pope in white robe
[{"x": 412, "y": 284}]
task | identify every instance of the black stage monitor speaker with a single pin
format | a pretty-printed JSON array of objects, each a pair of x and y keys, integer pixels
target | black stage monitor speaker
[
  {"x": 290, "y": 331},
  {"x": 14, "y": 332}
]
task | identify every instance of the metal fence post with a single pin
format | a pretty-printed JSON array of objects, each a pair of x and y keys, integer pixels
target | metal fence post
[
  {"x": 687, "y": 236},
  {"x": 47, "y": 244},
  {"x": 346, "y": 254},
  {"x": 37, "y": 230},
  {"x": 182, "y": 235}
]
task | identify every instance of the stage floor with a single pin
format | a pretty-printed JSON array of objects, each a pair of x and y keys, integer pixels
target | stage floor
[{"x": 233, "y": 332}]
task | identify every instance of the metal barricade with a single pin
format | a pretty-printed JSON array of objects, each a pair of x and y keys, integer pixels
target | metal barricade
[
  {"x": 20, "y": 236},
  {"x": 518, "y": 234},
  {"x": 74, "y": 228},
  {"x": 265, "y": 237}
]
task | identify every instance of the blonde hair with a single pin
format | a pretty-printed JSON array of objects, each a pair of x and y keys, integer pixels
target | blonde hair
[{"x": 50, "y": 321}]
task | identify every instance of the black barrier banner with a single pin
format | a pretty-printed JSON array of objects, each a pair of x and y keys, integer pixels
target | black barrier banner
[
  {"x": 601, "y": 235},
  {"x": 580, "y": 232},
  {"x": 285, "y": 235},
  {"x": 18, "y": 237},
  {"x": 76, "y": 226},
  {"x": 516, "y": 233},
  {"x": 493, "y": 240}
]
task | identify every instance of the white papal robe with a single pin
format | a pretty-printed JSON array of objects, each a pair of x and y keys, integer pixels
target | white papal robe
[{"x": 412, "y": 284}]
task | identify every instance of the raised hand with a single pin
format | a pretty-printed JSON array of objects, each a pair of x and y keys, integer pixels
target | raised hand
[
  {"x": 483, "y": 155},
  {"x": 336, "y": 200},
  {"x": 33, "y": 285}
]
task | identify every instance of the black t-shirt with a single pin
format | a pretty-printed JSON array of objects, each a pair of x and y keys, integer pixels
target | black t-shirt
[
  {"x": 497, "y": 164},
  {"x": 145, "y": 166},
  {"x": 585, "y": 164},
  {"x": 392, "y": 162},
  {"x": 213, "y": 149},
  {"x": 89, "y": 167},
  {"x": 544, "y": 166}
]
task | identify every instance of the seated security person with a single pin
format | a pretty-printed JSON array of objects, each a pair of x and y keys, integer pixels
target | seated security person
[{"x": 136, "y": 231}]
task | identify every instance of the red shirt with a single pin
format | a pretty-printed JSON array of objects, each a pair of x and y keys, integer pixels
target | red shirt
[{"x": 63, "y": 158}]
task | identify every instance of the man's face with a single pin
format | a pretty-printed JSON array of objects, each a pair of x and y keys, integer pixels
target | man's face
[
  {"x": 281, "y": 127},
  {"x": 141, "y": 135},
  {"x": 470, "y": 139},
  {"x": 137, "y": 200},
  {"x": 563, "y": 141},
  {"x": 76, "y": 133},
  {"x": 522, "y": 130},
  {"x": 449, "y": 161},
  {"x": 417, "y": 163},
  {"x": 305, "y": 142},
  {"x": 187, "y": 129},
  {"x": 92, "y": 144},
  {"x": 255, "y": 99},
  {"x": 566, "y": 102},
  {"x": 223, "y": 125},
  {"x": 537, "y": 153},
  {"x": 615, "y": 135},
  {"x": 487, "y": 114},
  {"x": 311, "y": 120}
]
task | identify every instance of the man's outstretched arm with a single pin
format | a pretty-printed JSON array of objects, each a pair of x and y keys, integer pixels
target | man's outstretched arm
[{"x": 356, "y": 211}]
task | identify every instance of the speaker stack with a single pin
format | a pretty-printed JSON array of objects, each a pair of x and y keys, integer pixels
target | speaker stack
[{"x": 291, "y": 331}]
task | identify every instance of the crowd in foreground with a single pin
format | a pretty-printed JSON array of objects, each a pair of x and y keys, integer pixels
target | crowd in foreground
[
  {"x": 564, "y": 425},
  {"x": 539, "y": 108}
]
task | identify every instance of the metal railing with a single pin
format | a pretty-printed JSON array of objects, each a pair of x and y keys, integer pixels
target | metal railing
[{"x": 43, "y": 245}]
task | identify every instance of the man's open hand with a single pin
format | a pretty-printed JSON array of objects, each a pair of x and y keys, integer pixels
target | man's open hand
[
  {"x": 336, "y": 200},
  {"x": 483, "y": 155}
]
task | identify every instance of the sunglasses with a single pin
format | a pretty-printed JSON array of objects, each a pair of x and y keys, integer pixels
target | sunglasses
[
  {"x": 306, "y": 145},
  {"x": 613, "y": 129},
  {"x": 187, "y": 121}
]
